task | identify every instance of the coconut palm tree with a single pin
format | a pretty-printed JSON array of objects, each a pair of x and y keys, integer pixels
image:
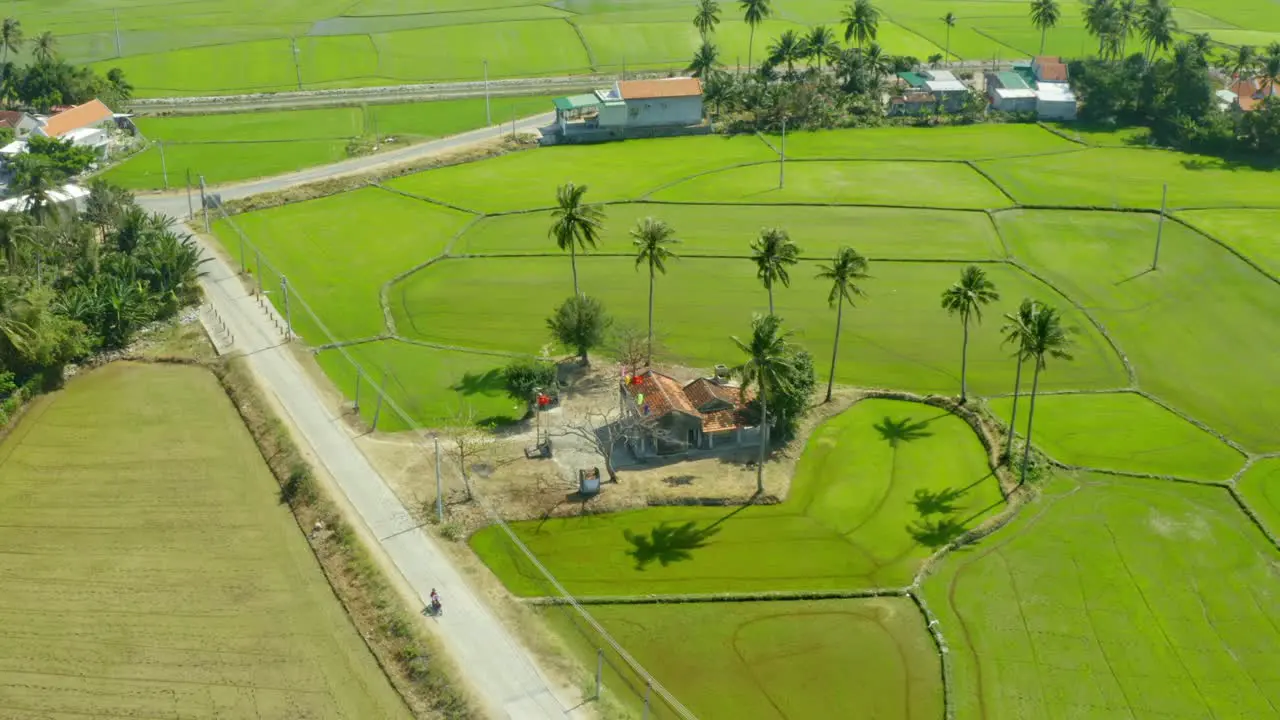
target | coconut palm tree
[
  {"x": 1043, "y": 337},
  {"x": 966, "y": 298},
  {"x": 768, "y": 363},
  {"x": 844, "y": 273},
  {"x": 653, "y": 239},
  {"x": 935, "y": 60},
  {"x": 707, "y": 18},
  {"x": 788, "y": 48},
  {"x": 10, "y": 38},
  {"x": 1270, "y": 65},
  {"x": 45, "y": 48},
  {"x": 1014, "y": 328},
  {"x": 950, "y": 21},
  {"x": 820, "y": 45},
  {"x": 773, "y": 252},
  {"x": 1243, "y": 63},
  {"x": 718, "y": 89},
  {"x": 15, "y": 232},
  {"x": 1129, "y": 15},
  {"x": 575, "y": 224},
  {"x": 861, "y": 22},
  {"x": 1044, "y": 16},
  {"x": 705, "y": 60},
  {"x": 754, "y": 12},
  {"x": 1100, "y": 20},
  {"x": 1156, "y": 26},
  {"x": 877, "y": 61}
]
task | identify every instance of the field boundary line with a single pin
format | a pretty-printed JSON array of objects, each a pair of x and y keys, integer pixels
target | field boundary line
[
  {"x": 1130, "y": 370},
  {"x": 423, "y": 198},
  {"x": 350, "y": 343},
  {"x": 689, "y": 598},
  {"x": 461, "y": 349},
  {"x": 591, "y": 55},
  {"x": 973, "y": 165},
  {"x": 1193, "y": 228},
  {"x": 1055, "y": 131},
  {"x": 995, "y": 226},
  {"x": 1138, "y": 475},
  {"x": 1252, "y": 515},
  {"x": 765, "y": 140}
]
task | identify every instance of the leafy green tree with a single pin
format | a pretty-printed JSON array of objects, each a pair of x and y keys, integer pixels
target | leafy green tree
[
  {"x": 844, "y": 272},
  {"x": 861, "y": 22},
  {"x": 1045, "y": 15},
  {"x": 770, "y": 360},
  {"x": 106, "y": 202},
  {"x": 1260, "y": 129},
  {"x": 37, "y": 179},
  {"x": 523, "y": 378},
  {"x": 966, "y": 298},
  {"x": 950, "y": 21},
  {"x": 575, "y": 224},
  {"x": 788, "y": 49},
  {"x": 15, "y": 234},
  {"x": 652, "y": 239},
  {"x": 820, "y": 45},
  {"x": 707, "y": 18},
  {"x": 171, "y": 267},
  {"x": 44, "y": 340},
  {"x": 705, "y": 60},
  {"x": 1043, "y": 336},
  {"x": 754, "y": 12},
  {"x": 63, "y": 156},
  {"x": 773, "y": 252},
  {"x": 718, "y": 89},
  {"x": 123, "y": 88},
  {"x": 935, "y": 60},
  {"x": 580, "y": 323}
]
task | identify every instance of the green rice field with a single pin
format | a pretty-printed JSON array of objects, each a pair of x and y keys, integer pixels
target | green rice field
[
  {"x": 882, "y": 485},
  {"x": 149, "y": 569},
  {"x": 201, "y": 47},
  {"x": 231, "y": 147}
]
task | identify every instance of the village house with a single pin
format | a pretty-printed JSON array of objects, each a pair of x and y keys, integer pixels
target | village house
[
  {"x": 1054, "y": 97},
  {"x": 86, "y": 125},
  {"x": 946, "y": 89},
  {"x": 1009, "y": 92},
  {"x": 19, "y": 122},
  {"x": 707, "y": 413},
  {"x": 631, "y": 108},
  {"x": 1246, "y": 95}
]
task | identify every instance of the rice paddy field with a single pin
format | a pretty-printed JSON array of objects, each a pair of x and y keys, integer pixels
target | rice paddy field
[
  {"x": 231, "y": 147},
  {"x": 202, "y": 47},
  {"x": 150, "y": 571},
  {"x": 1137, "y": 568}
]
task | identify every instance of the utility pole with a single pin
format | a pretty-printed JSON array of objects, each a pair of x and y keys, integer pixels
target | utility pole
[
  {"x": 204, "y": 204},
  {"x": 297, "y": 67},
  {"x": 513, "y": 122},
  {"x": 439, "y": 488},
  {"x": 359, "y": 375},
  {"x": 488, "y": 116},
  {"x": 381, "y": 389},
  {"x": 288, "y": 316},
  {"x": 191, "y": 210},
  {"x": 1164, "y": 199},
  {"x": 116, "y": 14},
  {"x": 782, "y": 156},
  {"x": 164, "y": 166}
]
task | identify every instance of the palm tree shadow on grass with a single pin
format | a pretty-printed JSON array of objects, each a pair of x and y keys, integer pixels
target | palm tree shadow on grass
[
  {"x": 904, "y": 430},
  {"x": 934, "y": 533},
  {"x": 485, "y": 383},
  {"x": 943, "y": 501},
  {"x": 666, "y": 544}
]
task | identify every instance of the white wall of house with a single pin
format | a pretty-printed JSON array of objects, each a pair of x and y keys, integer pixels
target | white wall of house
[{"x": 657, "y": 112}]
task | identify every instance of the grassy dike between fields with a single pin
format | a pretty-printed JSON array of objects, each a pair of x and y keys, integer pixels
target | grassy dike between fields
[{"x": 411, "y": 659}]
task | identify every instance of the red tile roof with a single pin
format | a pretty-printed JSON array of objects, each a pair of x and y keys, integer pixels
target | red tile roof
[
  {"x": 90, "y": 113},
  {"x": 723, "y": 404},
  {"x": 1251, "y": 92},
  {"x": 668, "y": 88},
  {"x": 1051, "y": 72},
  {"x": 10, "y": 118}
]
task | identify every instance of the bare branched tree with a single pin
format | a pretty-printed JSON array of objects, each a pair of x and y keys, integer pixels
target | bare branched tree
[
  {"x": 609, "y": 430},
  {"x": 469, "y": 445},
  {"x": 629, "y": 345}
]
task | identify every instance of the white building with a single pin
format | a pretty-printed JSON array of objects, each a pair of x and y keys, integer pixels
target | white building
[
  {"x": 72, "y": 197},
  {"x": 660, "y": 103},
  {"x": 1055, "y": 101}
]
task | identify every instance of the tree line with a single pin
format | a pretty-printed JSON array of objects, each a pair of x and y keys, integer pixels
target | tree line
[
  {"x": 772, "y": 364},
  {"x": 73, "y": 284},
  {"x": 48, "y": 80}
]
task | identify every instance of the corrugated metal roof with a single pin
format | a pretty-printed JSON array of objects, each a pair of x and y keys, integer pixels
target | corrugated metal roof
[
  {"x": 1011, "y": 80},
  {"x": 1014, "y": 93},
  {"x": 945, "y": 86},
  {"x": 576, "y": 102},
  {"x": 941, "y": 76},
  {"x": 915, "y": 80}
]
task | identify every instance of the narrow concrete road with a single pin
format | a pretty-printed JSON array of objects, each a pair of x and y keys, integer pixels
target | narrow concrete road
[
  {"x": 502, "y": 671},
  {"x": 175, "y": 203}
]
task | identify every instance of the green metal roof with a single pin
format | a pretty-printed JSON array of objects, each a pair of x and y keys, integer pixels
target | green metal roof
[
  {"x": 1011, "y": 80},
  {"x": 914, "y": 79},
  {"x": 576, "y": 102}
]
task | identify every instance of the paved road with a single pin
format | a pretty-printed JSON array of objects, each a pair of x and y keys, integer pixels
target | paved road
[
  {"x": 175, "y": 203},
  {"x": 503, "y": 673}
]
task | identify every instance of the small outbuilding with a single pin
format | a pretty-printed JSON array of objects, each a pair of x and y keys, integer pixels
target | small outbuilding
[
  {"x": 661, "y": 103},
  {"x": 1008, "y": 92},
  {"x": 1055, "y": 101},
  {"x": 67, "y": 197},
  {"x": 19, "y": 122}
]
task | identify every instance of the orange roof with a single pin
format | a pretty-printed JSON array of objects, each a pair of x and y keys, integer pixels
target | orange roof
[
  {"x": 1052, "y": 72},
  {"x": 663, "y": 395},
  {"x": 668, "y": 88},
  {"x": 1048, "y": 60},
  {"x": 90, "y": 113}
]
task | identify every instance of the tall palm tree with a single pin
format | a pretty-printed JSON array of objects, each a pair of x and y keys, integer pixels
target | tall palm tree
[
  {"x": 935, "y": 60},
  {"x": 821, "y": 45},
  {"x": 705, "y": 60},
  {"x": 38, "y": 181},
  {"x": 653, "y": 239},
  {"x": 877, "y": 60},
  {"x": 1100, "y": 18},
  {"x": 966, "y": 298},
  {"x": 1156, "y": 26},
  {"x": 707, "y": 18},
  {"x": 575, "y": 224},
  {"x": 773, "y": 252},
  {"x": 1243, "y": 63},
  {"x": 950, "y": 21},
  {"x": 718, "y": 89},
  {"x": 788, "y": 48},
  {"x": 15, "y": 232},
  {"x": 861, "y": 22},
  {"x": 1270, "y": 65},
  {"x": 844, "y": 273},
  {"x": 1044, "y": 16},
  {"x": 1013, "y": 330},
  {"x": 45, "y": 48},
  {"x": 1129, "y": 16},
  {"x": 1042, "y": 338},
  {"x": 10, "y": 37},
  {"x": 754, "y": 12},
  {"x": 767, "y": 366}
]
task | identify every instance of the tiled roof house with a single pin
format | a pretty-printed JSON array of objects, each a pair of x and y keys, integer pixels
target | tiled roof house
[{"x": 704, "y": 413}]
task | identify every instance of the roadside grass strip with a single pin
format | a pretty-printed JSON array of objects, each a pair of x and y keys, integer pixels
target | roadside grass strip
[
  {"x": 879, "y": 488},
  {"x": 148, "y": 565},
  {"x": 765, "y": 659},
  {"x": 1124, "y": 432},
  {"x": 1115, "y": 597},
  {"x": 1199, "y": 330}
]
